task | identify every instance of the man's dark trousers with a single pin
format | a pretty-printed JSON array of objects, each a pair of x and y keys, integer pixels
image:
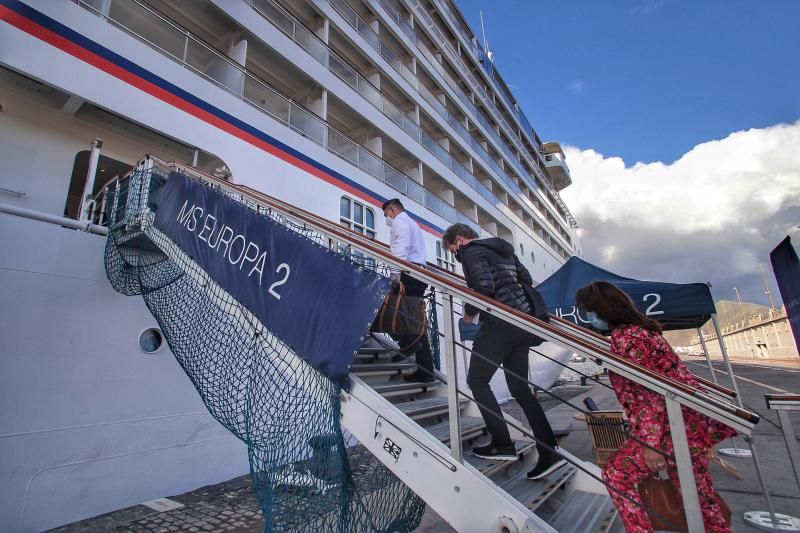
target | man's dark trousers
[{"x": 508, "y": 346}]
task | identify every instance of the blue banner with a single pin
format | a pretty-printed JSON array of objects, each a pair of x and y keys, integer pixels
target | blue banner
[
  {"x": 317, "y": 302},
  {"x": 786, "y": 267}
]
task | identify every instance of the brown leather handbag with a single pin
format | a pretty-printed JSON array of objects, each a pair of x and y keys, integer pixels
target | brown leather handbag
[
  {"x": 401, "y": 314},
  {"x": 665, "y": 507}
]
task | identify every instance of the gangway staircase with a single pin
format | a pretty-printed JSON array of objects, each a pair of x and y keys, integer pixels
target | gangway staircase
[{"x": 422, "y": 432}]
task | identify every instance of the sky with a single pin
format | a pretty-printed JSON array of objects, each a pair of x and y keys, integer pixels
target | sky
[{"x": 680, "y": 121}]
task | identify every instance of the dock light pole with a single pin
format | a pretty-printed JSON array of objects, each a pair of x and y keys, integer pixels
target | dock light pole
[
  {"x": 766, "y": 287},
  {"x": 741, "y": 308},
  {"x": 744, "y": 320}
]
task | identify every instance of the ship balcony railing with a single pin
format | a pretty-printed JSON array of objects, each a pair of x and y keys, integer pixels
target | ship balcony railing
[
  {"x": 354, "y": 20},
  {"x": 478, "y": 89},
  {"x": 192, "y": 53},
  {"x": 373, "y": 39},
  {"x": 532, "y": 181},
  {"x": 464, "y": 69},
  {"x": 453, "y": 86},
  {"x": 284, "y": 21},
  {"x": 483, "y": 59},
  {"x": 433, "y": 62},
  {"x": 361, "y": 85},
  {"x": 491, "y": 72}
]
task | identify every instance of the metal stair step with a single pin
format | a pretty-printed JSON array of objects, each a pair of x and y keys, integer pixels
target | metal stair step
[
  {"x": 533, "y": 493},
  {"x": 371, "y": 347},
  {"x": 488, "y": 467},
  {"x": 584, "y": 512},
  {"x": 400, "y": 388},
  {"x": 387, "y": 368},
  {"x": 471, "y": 427},
  {"x": 426, "y": 407}
]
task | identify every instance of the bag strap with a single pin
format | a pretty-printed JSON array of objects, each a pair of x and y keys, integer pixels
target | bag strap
[
  {"x": 401, "y": 294},
  {"x": 382, "y": 312},
  {"x": 415, "y": 341}
]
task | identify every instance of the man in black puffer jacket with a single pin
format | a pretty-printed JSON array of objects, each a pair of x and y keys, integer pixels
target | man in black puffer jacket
[{"x": 492, "y": 269}]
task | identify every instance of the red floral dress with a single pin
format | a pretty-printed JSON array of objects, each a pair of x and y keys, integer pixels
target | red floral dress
[{"x": 648, "y": 422}]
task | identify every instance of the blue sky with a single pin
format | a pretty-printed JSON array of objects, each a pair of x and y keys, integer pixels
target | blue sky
[
  {"x": 705, "y": 94},
  {"x": 646, "y": 80}
]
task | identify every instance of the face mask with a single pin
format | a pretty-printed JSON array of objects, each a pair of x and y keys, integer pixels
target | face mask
[
  {"x": 389, "y": 221},
  {"x": 597, "y": 323}
]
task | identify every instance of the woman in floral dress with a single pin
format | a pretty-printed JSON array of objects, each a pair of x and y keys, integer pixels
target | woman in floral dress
[{"x": 638, "y": 339}]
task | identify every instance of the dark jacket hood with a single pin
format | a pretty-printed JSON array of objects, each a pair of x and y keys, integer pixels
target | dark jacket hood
[{"x": 496, "y": 244}]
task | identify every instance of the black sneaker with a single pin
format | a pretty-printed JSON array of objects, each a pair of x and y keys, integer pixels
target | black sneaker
[
  {"x": 419, "y": 376},
  {"x": 496, "y": 453},
  {"x": 546, "y": 465}
]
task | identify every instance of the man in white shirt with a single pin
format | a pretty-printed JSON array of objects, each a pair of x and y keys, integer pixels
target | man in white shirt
[{"x": 406, "y": 242}]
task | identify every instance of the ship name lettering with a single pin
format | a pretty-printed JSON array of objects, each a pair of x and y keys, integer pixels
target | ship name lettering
[{"x": 223, "y": 239}]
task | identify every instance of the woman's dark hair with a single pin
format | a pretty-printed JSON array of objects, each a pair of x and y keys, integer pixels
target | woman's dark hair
[{"x": 613, "y": 306}]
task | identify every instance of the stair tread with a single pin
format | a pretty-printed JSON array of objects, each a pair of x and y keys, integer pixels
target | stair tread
[
  {"x": 488, "y": 467},
  {"x": 362, "y": 368},
  {"x": 375, "y": 351},
  {"x": 372, "y": 346},
  {"x": 469, "y": 425},
  {"x": 532, "y": 493},
  {"x": 426, "y": 406},
  {"x": 400, "y": 386},
  {"x": 584, "y": 512}
]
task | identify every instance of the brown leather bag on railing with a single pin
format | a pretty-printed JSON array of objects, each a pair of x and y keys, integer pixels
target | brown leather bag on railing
[
  {"x": 401, "y": 314},
  {"x": 665, "y": 507}
]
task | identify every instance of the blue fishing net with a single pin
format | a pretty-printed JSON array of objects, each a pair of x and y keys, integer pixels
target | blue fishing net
[{"x": 308, "y": 474}]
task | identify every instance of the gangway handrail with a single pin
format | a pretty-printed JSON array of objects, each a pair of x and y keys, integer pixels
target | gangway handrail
[
  {"x": 566, "y": 324},
  {"x": 732, "y": 415},
  {"x": 605, "y": 343}
]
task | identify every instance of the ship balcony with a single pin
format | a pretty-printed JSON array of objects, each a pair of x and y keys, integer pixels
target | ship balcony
[{"x": 556, "y": 166}]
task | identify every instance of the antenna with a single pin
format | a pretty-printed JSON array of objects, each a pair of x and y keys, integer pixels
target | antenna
[
  {"x": 488, "y": 52},
  {"x": 483, "y": 31}
]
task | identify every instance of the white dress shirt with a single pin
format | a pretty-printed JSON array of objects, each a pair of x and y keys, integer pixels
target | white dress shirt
[{"x": 405, "y": 239}]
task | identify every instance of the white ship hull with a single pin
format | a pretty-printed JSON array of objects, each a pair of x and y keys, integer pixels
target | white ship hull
[{"x": 91, "y": 423}]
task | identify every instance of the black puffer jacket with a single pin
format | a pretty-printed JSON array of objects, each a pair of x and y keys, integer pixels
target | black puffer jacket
[{"x": 492, "y": 269}]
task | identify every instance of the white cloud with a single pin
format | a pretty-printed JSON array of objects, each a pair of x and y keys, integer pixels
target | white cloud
[
  {"x": 575, "y": 86},
  {"x": 649, "y": 7},
  {"x": 712, "y": 215}
]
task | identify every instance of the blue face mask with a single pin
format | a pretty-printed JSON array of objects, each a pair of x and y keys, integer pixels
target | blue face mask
[{"x": 597, "y": 323}]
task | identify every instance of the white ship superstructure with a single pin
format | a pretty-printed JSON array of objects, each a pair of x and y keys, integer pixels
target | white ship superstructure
[{"x": 331, "y": 105}]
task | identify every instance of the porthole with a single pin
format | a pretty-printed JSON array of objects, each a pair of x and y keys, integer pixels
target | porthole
[{"x": 151, "y": 341}]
